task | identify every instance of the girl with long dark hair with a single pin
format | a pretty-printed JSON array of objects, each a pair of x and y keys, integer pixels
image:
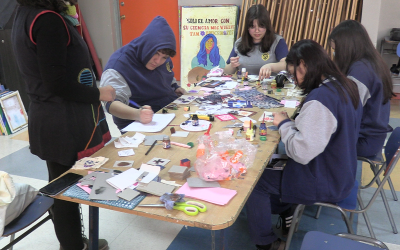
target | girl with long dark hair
[
  {"x": 320, "y": 144},
  {"x": 258, "y": 46},
  {"x": 356, "y": 56}
]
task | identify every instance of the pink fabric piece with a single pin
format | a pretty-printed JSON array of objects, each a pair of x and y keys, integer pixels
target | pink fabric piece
[
  {"x": 85, "y": 188},
  {"x": 217, "y": 195}
]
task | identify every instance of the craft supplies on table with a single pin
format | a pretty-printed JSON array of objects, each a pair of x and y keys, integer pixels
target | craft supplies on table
[{"x": 203, "y": 125}]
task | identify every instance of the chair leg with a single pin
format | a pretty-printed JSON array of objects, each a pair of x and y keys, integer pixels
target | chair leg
[
  {"x": 366, "y": 218},
  {"x": 12, "y": 237},
  {"x": 318, "y": 212},
  {"x": 392, "y": 189},
  {"x": 295, "y": 220},
  {"x": 297, "y": 223},
  {"x": 388, "y": 211}
]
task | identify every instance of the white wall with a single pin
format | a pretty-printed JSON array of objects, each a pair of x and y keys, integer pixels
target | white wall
[{"x": 389, "y": 18}]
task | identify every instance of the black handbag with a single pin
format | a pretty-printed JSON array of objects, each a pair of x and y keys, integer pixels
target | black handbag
[{"x": 395, "y": 34}]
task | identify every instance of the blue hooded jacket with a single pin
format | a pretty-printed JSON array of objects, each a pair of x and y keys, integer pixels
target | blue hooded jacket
[{"x": 148, "y": 87}]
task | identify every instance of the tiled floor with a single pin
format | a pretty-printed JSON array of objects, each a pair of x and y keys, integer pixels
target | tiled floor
[{"x": 125, "y": 231}]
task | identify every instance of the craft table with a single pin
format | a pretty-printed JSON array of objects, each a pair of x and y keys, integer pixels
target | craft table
[{"x": 217, "y": 217}]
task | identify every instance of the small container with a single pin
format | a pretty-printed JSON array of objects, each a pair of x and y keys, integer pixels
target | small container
[
  {"x": 273, "y": 84},
  {"x": 243, "y": 74},
  {"x": 249, "y": 135},
  {"x": 195, "y": 120},
  {"x": 263, "y": 132},
  {"x": 166, "y": 142}
]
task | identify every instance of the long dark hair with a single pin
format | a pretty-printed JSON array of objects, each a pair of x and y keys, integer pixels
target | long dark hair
[
  {"x": 257, "y": 12},
  {"x": 54, "y": 5},
  {"x": 319, "y": 65},
  {"x": 353, "y": 44}
]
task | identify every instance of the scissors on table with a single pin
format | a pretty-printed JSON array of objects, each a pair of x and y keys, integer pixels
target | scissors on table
[{"x": 191, "y": 208}]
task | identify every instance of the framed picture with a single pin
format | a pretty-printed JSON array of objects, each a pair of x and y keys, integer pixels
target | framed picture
[{"x": 14, "y": 111}]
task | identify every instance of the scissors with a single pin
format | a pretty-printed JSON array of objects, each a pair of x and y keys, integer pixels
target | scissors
[{"x": 191, "y": 208}]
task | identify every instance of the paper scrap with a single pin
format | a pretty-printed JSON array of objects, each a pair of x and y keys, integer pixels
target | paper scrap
[
  {"x": 180, "y": 134},
  {"x": 127, "y": 152}
]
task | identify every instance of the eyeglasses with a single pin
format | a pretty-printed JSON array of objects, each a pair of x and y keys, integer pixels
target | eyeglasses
[{"x": 258, "y": 27}]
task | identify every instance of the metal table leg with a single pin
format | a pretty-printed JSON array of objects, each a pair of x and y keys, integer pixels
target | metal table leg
[{"x": 93, "y": 228}]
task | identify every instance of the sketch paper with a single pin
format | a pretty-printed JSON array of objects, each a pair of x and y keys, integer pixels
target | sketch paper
[{"x": 160, "y": 121}]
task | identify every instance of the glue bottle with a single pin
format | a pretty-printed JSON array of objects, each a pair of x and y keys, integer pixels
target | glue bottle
[
  {"x": 249, "y": 134},
  {"x": 263, "y": 132}
]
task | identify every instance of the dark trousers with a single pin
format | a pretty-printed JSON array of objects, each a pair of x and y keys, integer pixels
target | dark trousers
[
  {"x": 264, "y": 201},
  {"x": 371, "y": 146},
  {"x": 66, "y": 216}
]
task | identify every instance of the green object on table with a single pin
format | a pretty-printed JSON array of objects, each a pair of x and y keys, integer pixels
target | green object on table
[
  {"x": 263, "y": 138},
  {"x": 190, "y": 144},
  {"x": 278, "y": 90}
]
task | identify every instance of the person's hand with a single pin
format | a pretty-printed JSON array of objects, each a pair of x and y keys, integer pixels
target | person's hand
[
  {"x": 235, "y": 62},
  {"x": 279, "y": 117},
  {"x": 146, "y": 114},
  {"x": 180, "y": 91},
  {"x": 107, "y": 94},
  {"x": 265, "y": 72}
]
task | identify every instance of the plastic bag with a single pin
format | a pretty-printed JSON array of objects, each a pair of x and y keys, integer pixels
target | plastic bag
[{"x": 222, "y": 157}]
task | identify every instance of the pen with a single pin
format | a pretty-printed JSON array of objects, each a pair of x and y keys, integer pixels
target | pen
[
  {"x": 151, "y": 147},
  {"x": 135, "y": 104}
]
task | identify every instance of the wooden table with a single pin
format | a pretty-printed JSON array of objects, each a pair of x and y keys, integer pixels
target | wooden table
[{"x": 217, "y": 217}]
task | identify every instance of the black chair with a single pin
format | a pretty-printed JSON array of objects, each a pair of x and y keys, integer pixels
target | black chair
[{"x": 39, "y": 206}]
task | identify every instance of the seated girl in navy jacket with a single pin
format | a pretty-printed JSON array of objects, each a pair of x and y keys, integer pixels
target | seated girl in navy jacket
[{"x": 320, "y": 144}]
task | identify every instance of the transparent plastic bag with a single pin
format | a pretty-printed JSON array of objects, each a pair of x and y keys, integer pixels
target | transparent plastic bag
[{"x": 222, "y": 157}]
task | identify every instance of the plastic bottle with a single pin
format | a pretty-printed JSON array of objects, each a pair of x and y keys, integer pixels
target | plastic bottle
[
  {"x": 166, "y": 142},
  {"x": 243, "y": 74},
  {"x": 195, "y": 120}
]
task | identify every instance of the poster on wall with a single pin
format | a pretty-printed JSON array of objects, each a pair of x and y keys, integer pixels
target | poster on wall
[{"x": 207, "y": 37}]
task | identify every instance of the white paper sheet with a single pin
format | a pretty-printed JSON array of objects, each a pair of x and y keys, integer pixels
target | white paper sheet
[{"x": 160, "y": 121}]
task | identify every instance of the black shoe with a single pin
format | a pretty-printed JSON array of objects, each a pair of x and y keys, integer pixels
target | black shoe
[
  {"x": 285, "y": 219},
  {"x": 276, "y": 245}
]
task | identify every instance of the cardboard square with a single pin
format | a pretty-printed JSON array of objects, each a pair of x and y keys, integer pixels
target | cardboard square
[
  {"x": 155, "y": 188},
  {"x": 177, "y": 169},
  {"x": 101, "y": 189},
  {"x": 244, "y": 112},
  {"x": 195, "y": 182},
  {"x": 158, "y": 161},
  {"x": 148, "y": 141},
  {"x": 126, "y": 164},
  {"x": 128, "y": 194}
]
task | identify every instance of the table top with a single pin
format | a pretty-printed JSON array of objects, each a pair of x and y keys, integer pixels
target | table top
[{"x": 217, "y": 217}]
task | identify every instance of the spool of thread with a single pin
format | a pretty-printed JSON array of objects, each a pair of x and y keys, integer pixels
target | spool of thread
[{"x": 187, "y": 108}]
